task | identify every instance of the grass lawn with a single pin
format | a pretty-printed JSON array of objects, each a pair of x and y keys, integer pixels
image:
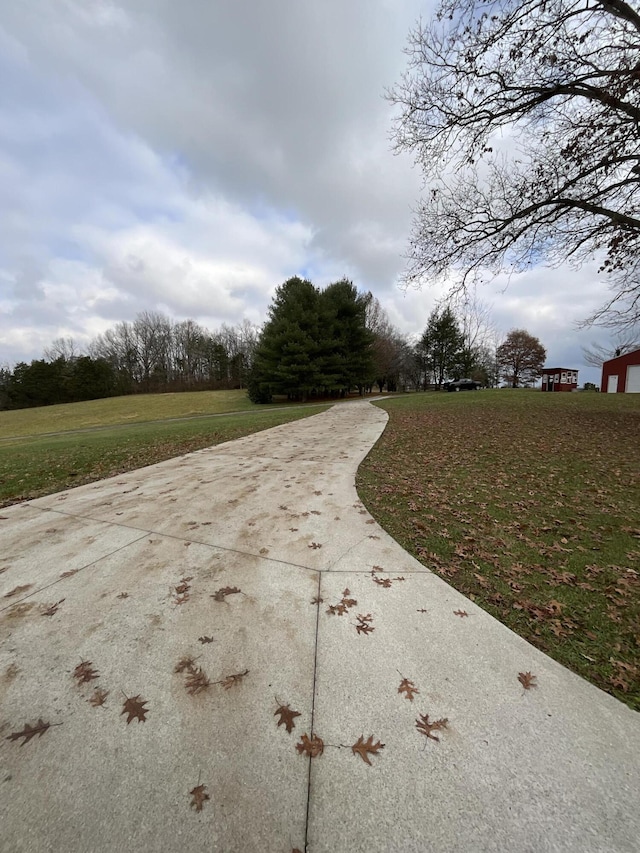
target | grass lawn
[
  {"x": 528, "y": 503},
  {"x": 36, "y": 465},
  {"x": 135, "y": 408}
]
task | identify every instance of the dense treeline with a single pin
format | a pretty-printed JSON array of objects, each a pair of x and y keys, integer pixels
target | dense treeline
[
  {"x": 151, "y": 354},
  {"x": 315, "y": 343},
  {"x": 330, "y": 342},
  {"x": 43, "y": 383}
]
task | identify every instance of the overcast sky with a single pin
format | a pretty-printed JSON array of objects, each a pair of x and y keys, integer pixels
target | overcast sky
[{"x": 187, "y": 157}]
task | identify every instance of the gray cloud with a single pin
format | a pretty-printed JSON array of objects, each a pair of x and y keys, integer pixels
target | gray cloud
[{"x": 194, "y": 155}]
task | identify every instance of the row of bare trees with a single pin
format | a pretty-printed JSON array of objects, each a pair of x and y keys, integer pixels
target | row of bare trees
[{"x": 155, "y": 353}]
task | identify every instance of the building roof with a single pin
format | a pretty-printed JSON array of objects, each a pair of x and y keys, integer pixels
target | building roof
[{"x": 622, "y": 355}]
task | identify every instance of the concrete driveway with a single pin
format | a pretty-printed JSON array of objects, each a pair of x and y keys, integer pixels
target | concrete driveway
[{"x": 225, "y": 652}]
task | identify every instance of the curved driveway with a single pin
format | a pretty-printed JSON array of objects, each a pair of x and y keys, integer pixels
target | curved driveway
[{"x": 199, "y": 596}]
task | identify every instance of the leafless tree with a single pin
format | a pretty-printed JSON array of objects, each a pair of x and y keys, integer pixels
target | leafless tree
[
  {"x": 524, "y": 116},
  {"x": 623, "y": 342},
  {"x": 189, "y": 350},
  {"x": 393, "y": 355},
  {"x": 65, "y": 348}
]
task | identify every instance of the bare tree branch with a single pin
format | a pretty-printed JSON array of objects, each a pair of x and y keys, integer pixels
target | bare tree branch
[{"x": 524, "y": 116}]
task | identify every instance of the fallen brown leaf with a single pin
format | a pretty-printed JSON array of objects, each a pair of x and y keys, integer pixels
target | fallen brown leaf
[
  {"x": 53, "y": 608},
  {"x": 363, "y": 626},
  {"x": 84, "y": 672},
  {"x": 426, "y": 728},
  {"x": 365, "y": 748},
  {"x": 311, "y": 747},
  {"x": 199, "y": 797},
  {"x": 287, "y": 717},
  {"x": 408, "y": 688},
  {"x": 28, "y": 731},
  {"x": 196, "y": 681},
  {"x": 17, "y": 590},
  {"x": 99, "y": 697},
  {"x": 527, "y": 680},
  {"x": 222, "y": 593},
  {"x": 232, "y": 680},
  {"x": 135, "y": 709}
]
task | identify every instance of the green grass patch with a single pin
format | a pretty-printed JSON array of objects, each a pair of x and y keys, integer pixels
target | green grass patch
[
  {"x": 529, "y": 504},
  {"x": 135, "y": 408},
  {"x": 35, "y": 465}
]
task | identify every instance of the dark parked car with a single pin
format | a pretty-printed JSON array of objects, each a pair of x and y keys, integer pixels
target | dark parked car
[{"x": 462, "y": 385}]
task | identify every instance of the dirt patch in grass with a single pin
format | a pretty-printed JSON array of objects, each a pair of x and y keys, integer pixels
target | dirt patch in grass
[{"x": 530, "y": 505}]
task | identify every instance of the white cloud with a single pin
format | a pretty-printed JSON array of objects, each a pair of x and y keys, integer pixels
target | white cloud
[{"x": 190, "y": 157}]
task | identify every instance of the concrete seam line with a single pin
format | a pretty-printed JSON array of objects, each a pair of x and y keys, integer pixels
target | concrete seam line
[
  {"x": 147, "y": 532},
  {"x": 77, "y": 571},
  {"x": 313, "y": 704}
]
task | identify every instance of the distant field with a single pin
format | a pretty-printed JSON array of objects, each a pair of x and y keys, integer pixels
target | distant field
[
  {"x": 529, "y": 503},
  {"x": 33, "y": 464},
  {"x": 134, "y": 408}
]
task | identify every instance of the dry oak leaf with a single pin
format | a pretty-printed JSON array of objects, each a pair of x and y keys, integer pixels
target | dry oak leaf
[
  {"x": 85, "y": 672},
  {"x": 53, "y": 608},
  {"x": 231, "y": 680},
  {"x": 385, "y": 582},
  {"x": 18, "y": 589},
  {"x": 363, "y": 626},
  {"x": 362, "y": 747},
  {"x": 311, "y": 747},
  {"x": 69, "y": 573},
  {"x": 28, "y": 731},
  {"x": 343, "y": 605},
  {"x": 197, "y": 681},
  {"x": 527, "y": 680},
  {"x": 426, "y": 728},
  {"x": 99, "y": 697},
  {"x": 199, "y": 794},
  {"x": 224, "y": 591},
  {"x": 187, "y": 663},
  {"x": 408, "y": 688},
  {"x": 134, "y": 707},
  {"x": 460, "y": 613},
  {"x": 287, "y": 716}
]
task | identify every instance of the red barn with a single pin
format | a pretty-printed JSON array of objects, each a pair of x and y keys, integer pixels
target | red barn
[
  {"x": 621, "y": 375},
  {"x": 559, "y": 379}
]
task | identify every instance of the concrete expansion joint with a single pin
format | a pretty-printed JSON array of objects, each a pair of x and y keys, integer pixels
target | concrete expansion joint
[{"x": 77, "y": 571}]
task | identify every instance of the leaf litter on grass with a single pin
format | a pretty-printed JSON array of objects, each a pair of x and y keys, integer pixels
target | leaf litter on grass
[{"x": 528, "y": 504}]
